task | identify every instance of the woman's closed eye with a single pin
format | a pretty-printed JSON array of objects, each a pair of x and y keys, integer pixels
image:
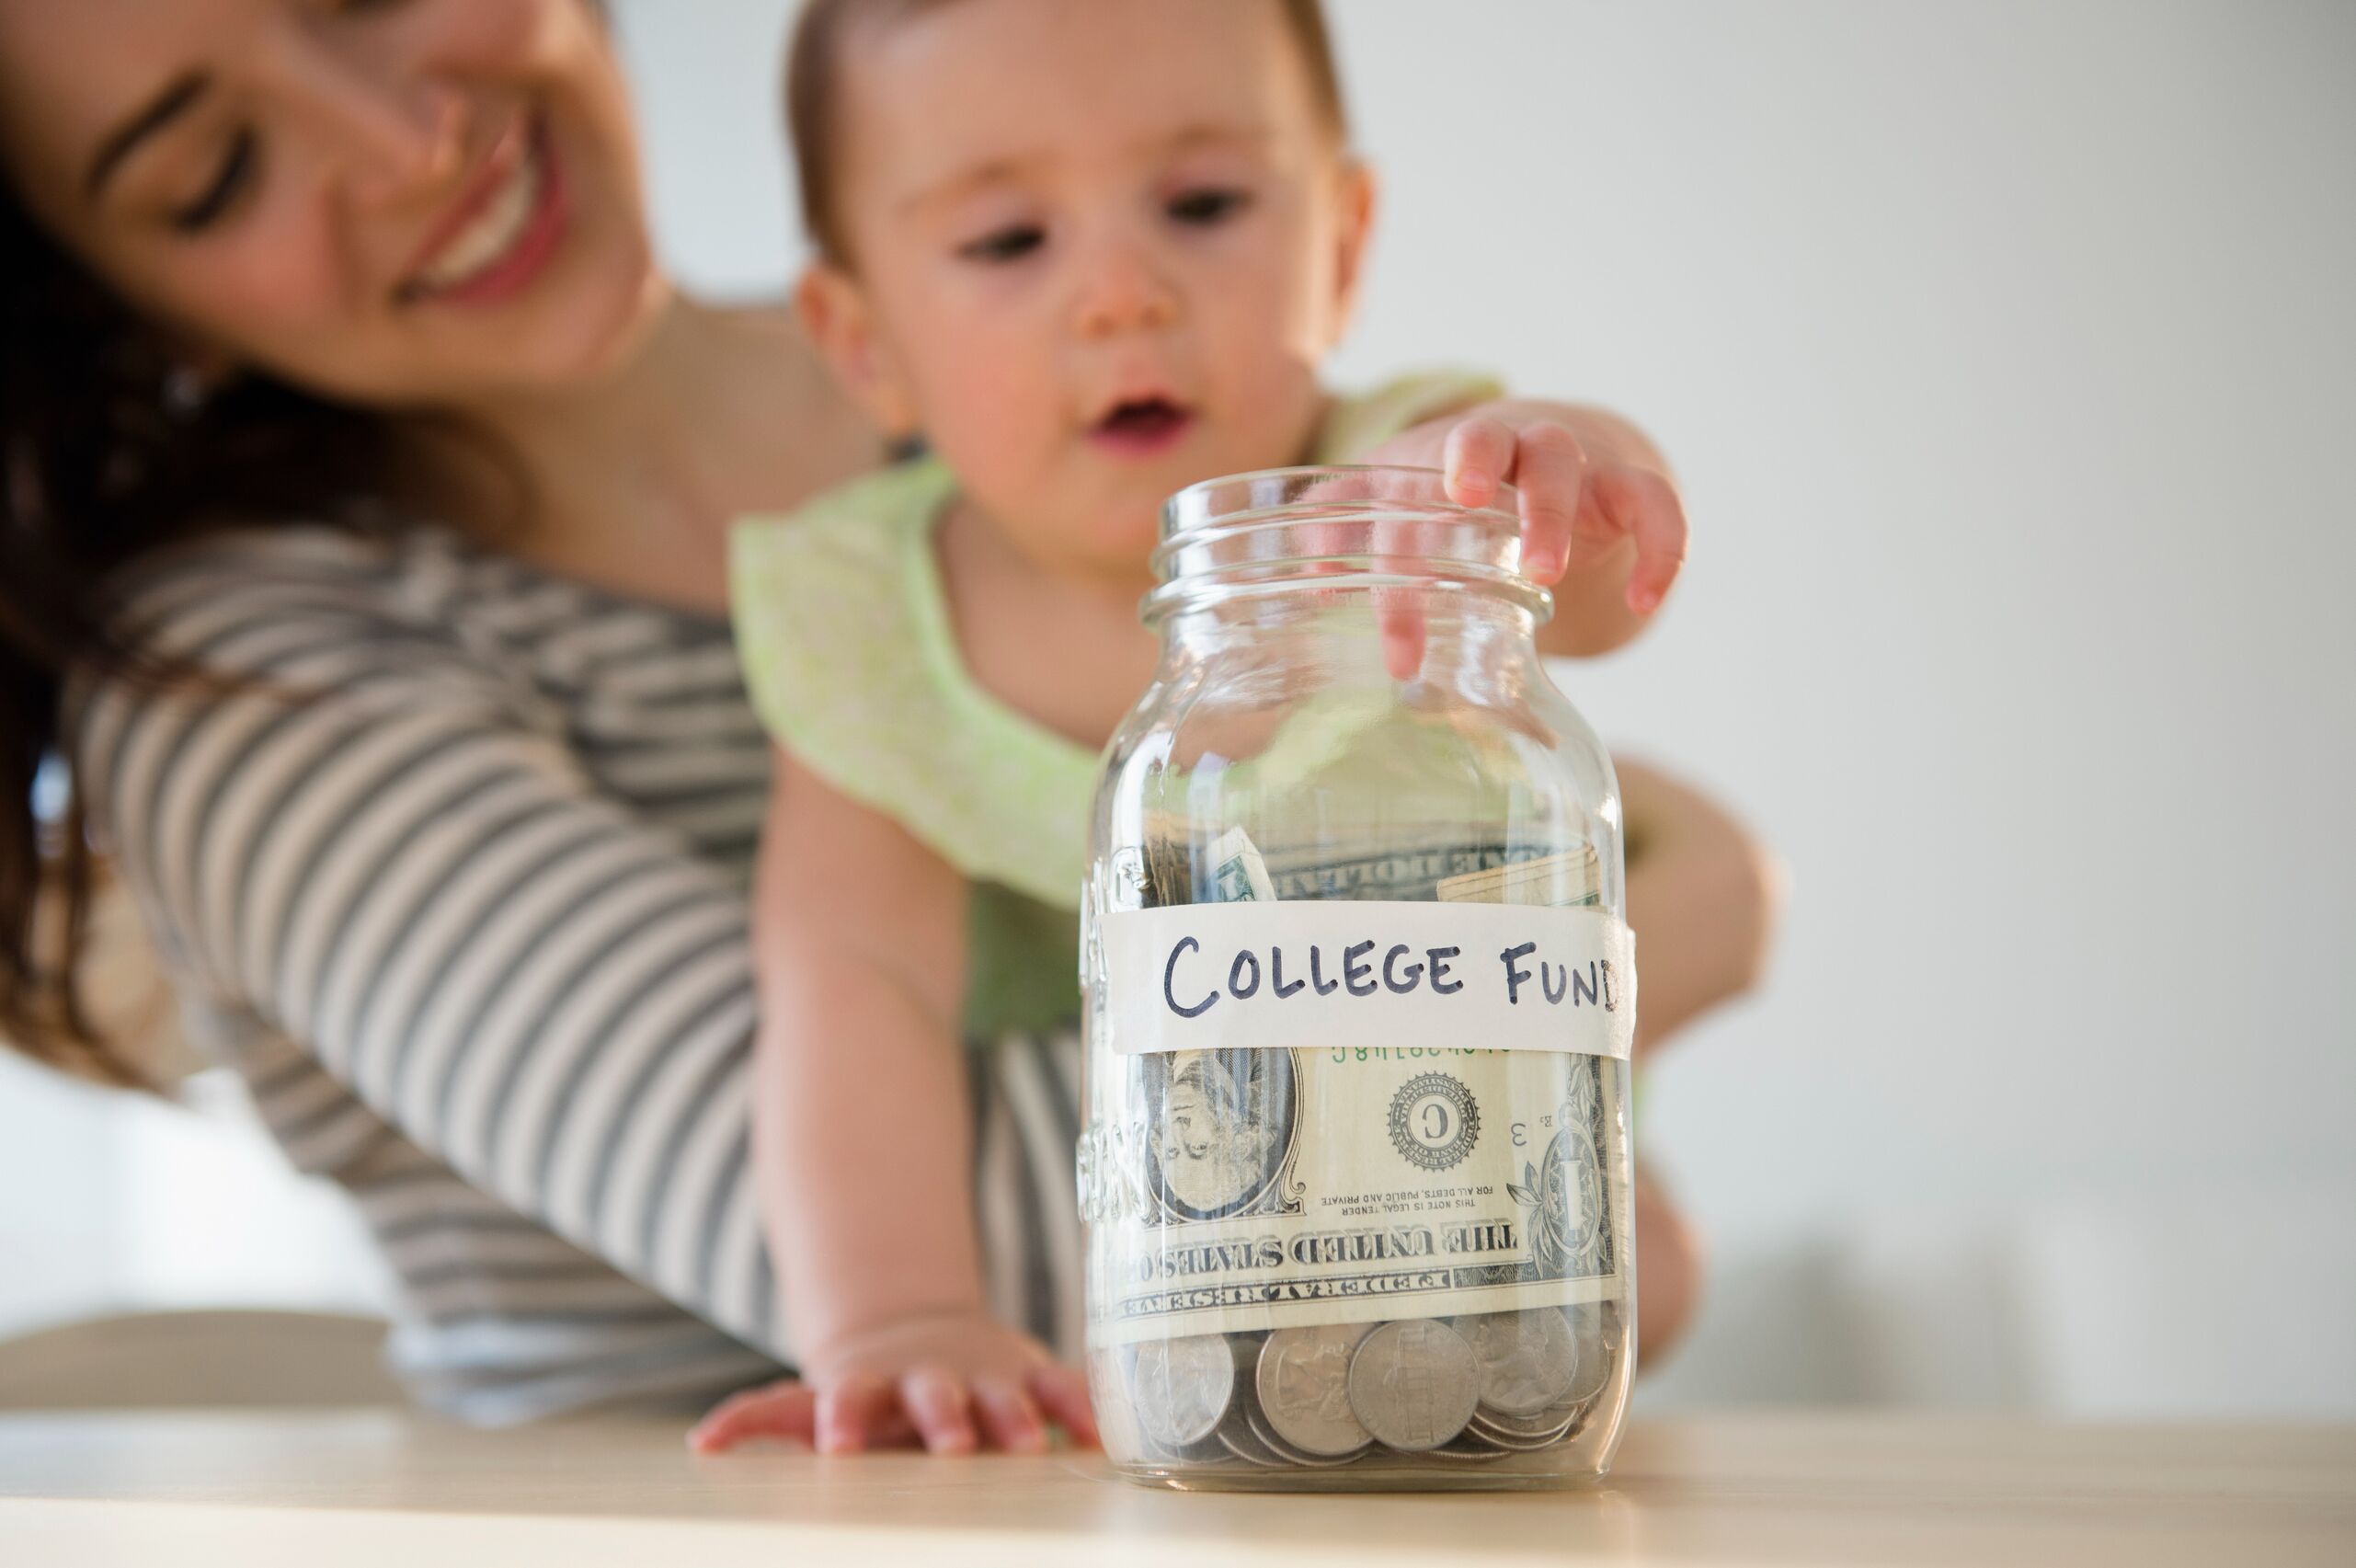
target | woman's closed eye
[
  {"x": 229, "y": 181},
  {"x": 1208, "y": 206},
  {"x": 1010, "y": 243}
]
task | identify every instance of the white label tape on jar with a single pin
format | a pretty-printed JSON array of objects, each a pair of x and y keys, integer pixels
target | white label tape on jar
[{"x": 1308, "y": 974}]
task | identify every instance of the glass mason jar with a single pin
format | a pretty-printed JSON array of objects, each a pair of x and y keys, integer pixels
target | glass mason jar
[{"x": 1355, "y": 1170}]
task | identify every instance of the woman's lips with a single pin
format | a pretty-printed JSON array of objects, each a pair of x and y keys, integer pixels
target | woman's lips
[
  {"x": 502, "y": 232},
  {"x": 1145, "y": 428}
]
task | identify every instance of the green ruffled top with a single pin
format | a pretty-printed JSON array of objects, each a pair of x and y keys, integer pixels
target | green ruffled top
[{"x": 842, "y": 622}]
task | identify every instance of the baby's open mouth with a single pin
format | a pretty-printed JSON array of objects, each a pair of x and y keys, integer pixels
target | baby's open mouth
[{"x": 1141, "y": 425}]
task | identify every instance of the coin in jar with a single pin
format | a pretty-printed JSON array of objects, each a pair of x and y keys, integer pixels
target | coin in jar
[
  {"x": 1258, "y": 1422},
  {"x": 1595, "y": 1329},
  {"x": 1511, "y": 1433},
  {"x": 1527, "y": 1360},
  {"x": 1303, "y": 1381},
  {"x": 1469, "y": 1449},
  {"x": 1238, "y": 1436},
  {"x": 1180, "y": 1388},
  {"x": 1415, "y": 1383},
  {"x": 1109, "y": 1389}
]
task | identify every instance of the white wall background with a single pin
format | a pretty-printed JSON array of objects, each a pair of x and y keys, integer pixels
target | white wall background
[{"x": 2008, "y": 353}]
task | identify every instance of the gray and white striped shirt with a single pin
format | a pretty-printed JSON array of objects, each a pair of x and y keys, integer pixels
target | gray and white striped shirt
[{"x": 450, "y": 868}]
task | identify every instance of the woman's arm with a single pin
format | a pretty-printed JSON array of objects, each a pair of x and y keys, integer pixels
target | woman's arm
[
  {"x": 357, "y": 832},
  {"x": 860, "y": 1133}
]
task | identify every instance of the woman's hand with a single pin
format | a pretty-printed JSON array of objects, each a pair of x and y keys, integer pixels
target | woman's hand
[{"x": 949, "y": 1382}]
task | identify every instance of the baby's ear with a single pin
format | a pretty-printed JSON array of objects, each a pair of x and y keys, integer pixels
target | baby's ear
[
  {"x": 1355, "y": 191},
  {"x": 834, "y": 311}
]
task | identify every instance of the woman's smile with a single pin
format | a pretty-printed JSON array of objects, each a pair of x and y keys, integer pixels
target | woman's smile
[{"x": 503, "y": 229}]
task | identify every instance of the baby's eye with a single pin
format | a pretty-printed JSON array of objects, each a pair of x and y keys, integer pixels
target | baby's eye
[
  {"x": 1208, "y": 206},
  {"x": 1010, "y": 244}
]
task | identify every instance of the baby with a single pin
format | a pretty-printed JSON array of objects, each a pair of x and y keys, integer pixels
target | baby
[{"x": 1091, "y": 251}]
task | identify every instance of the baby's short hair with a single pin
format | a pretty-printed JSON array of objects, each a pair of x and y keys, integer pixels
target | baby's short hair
[{"x": 813, "y": 95}]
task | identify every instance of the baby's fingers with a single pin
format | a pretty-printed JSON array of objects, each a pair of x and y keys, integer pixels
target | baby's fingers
[
  {"x": 936, "y": 1402},
  {"x": 1400, "y": 615},
  {"x": 852, "y": 1414},
  {"x": 1644, "y": 506},
  {"x": 1008, "y": 1416},
  {"x": 786, "y": 1411},
  {"x": 1478, "y": 455},
  {"x": 1062, "y": 1392},
  {"x": 1550, "y": 472},
  {"x": 1400, "y": 618}
]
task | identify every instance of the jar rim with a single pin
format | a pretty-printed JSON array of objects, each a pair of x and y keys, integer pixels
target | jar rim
[
  {"x": 1191, "y": 506},
  {"x": 1241, "y": 536}
]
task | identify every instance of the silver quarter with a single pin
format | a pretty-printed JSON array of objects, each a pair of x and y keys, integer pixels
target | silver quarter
[
  {"x": 1595, "y": 1329},
  {"x": 1180, "y": 1388},
  {"x": 1520, "y": 1439},
  {"x": 1468, "y": 1449},
  {"x": 1415, "y": 1383},
  {"x": 1303, "y": 1381},
  {"x": 1581, "y": 1413},
  {"x": 1114, "y": 1394},
  {"x": 1527, "y": 1360},
  {"x": 1237, "y": 1435},
  {"x": 1302, "y": 1457}
]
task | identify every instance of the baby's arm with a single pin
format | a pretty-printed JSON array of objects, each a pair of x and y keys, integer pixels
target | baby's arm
[
  {"x": 862, "y": 1150},
  {"x": 1703, "y": 895}
]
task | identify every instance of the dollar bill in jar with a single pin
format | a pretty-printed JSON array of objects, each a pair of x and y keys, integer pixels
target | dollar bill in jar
[{"x": 1345, "y": 1247}]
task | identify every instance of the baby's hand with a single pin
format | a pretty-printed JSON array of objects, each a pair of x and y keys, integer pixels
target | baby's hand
[
  {"x": 952, "y": 1382},
  {"x": 1575, "y": 509},
  {"x": 1578, "y": 506}
]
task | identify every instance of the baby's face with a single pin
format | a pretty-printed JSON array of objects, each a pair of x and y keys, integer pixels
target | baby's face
[{"x": 1097, "y": 249}]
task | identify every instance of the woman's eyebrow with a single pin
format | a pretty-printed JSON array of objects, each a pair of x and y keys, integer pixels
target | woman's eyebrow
[{"x": 168, "y": 105}]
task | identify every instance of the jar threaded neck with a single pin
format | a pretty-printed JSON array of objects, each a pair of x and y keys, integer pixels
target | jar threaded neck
[{"x": 1335, "y": 529}]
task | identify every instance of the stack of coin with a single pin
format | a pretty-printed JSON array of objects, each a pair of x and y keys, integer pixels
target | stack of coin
[
  {"x": 1475, "y": 1387},
  {"x": 1540, "y": 1373}
]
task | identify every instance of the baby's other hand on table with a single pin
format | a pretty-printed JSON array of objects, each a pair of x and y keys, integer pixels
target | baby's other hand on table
[{"x": 951, "y": 1383}]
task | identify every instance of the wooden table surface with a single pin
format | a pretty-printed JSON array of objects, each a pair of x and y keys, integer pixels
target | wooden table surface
[{"x": 357, "y": 1491}]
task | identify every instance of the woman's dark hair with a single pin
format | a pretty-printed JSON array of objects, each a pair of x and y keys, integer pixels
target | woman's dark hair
[{"x": 104, "y": 455}]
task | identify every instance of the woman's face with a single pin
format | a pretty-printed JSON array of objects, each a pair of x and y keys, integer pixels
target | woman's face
[{"x": 397, "y": 202}]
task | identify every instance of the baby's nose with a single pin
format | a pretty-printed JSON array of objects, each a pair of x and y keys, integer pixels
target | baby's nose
[{"x": 1124, "y": 293}]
